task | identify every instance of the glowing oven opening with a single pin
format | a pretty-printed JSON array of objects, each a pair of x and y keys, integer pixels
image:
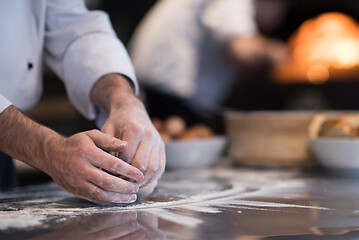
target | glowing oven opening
[{"x": 325, "y": 48}]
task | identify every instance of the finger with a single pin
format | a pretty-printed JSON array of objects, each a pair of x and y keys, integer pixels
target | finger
[
  {"x": 106, "y": 142},
  {"x": 116, "y": 232},
  {"x": 133, "y": 138},
  {"x": 157, "y": 171},
  {"x": 142, "y": 156},
  {"x": 115, "y": 165},
  {"x": 151, "y": 168},
  {"x": 111, "y": 183},
  {"x": 97, "y": 195},
  {"x": 162, "y": 163}
]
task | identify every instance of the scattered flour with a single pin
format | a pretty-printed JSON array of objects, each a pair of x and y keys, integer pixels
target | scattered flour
[{"x": 207, "y": 191}]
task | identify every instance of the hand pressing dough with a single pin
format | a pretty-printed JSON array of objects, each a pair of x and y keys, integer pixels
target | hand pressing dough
[{"x": 147, "y": 190}]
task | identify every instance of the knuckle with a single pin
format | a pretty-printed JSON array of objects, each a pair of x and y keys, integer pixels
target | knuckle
[
  {"x": 148, "y": 133},
  {"x": 116, "y": 167},
  {"x": 156, "y": 167},
  {"x": 99, "y": 195},
  {"x": 129, "y": 188},
  {"x": 127, "y": 156},
  {"x": 136, "y": 129},
  {"x": 77, "y": 169},
  {"x": 111, "y": 142},
  {"x": 108, "y": 183},
  {"x": 142, "y": 167},
  {"x": 84, "y": 149},
  {"x": 152, "y": 168}
]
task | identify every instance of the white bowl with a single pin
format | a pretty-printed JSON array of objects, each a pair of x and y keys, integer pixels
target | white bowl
[
  {"x": 336, "y": 154},
  {"x": 194, "y": 153}
]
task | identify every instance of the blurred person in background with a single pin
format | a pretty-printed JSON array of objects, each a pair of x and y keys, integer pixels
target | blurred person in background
[
  {"x": 83, "y": 50},
  {"x": 188, "y": 54}
]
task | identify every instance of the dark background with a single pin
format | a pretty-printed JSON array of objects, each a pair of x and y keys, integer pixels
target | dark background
[
  {"x": 125, "y": 15},
  {"x": 259, "y": 93}
]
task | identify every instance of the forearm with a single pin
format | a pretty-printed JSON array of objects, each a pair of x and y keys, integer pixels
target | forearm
[
  {"x": 245, "y": 48},
  {"x": 24, "y": 139},
  {"x": 113, "y": 91},
  {"x": 250, "y": 49}
]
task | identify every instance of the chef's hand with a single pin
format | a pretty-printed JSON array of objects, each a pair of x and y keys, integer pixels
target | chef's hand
[
  {"x": 145, "y": 149},
  {"x": 74, "y": 162},
  {"x": 77, "y": 162},
  {"x": 128, "y": 121}
]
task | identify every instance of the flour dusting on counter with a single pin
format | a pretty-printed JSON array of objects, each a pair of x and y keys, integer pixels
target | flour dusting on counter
[{"x": 177, "y": 194}]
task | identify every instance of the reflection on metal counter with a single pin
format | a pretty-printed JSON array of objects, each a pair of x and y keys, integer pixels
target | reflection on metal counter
[{"x": 216, "y": 203}]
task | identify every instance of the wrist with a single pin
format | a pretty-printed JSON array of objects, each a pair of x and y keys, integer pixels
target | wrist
[
  {"x": 24, "y": 139},
  {"x": 50, "y": 146},
  {"x": 113, "y": 91}
]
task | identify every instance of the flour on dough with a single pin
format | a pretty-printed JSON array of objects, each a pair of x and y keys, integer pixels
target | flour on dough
[{"x": 147, "y": 190}]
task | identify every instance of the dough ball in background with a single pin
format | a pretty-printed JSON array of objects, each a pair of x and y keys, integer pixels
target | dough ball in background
[
  {"x": 334, "y": 125},
  {"x": 175, "y": 126},
  {"x": 159, "y": 125},
  {"x": 197, "y": 131}
]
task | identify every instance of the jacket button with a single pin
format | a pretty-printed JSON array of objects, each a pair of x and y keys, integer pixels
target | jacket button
[{"x": 29, "y": 65}]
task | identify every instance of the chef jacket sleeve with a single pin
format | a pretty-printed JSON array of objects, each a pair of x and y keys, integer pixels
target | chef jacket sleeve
[
  {"x": 4, "y": 103},
  {"x": 229, "y": 18},
  {"x": 81, "y": 47}
]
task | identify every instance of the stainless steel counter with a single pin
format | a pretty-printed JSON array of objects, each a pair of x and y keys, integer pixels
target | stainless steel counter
[{"x": 218, "y": 203}]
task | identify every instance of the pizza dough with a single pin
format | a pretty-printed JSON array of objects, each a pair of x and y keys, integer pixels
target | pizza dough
[
  {"x": 175, "y": 128},
  {"x": 334, "y": 125},
  {"x": 147, "y": 190}
]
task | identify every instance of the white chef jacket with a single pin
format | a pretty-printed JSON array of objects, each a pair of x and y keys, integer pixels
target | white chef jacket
[
  {"x": 179, "y": 47},
  {"x": 78, "y": 44}
]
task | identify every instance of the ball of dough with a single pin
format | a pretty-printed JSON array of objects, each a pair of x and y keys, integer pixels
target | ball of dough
[
  {"x": 197, "y": 131},
  {"x": 147, "y": 190},
  {"x": 175, "y": 126}
]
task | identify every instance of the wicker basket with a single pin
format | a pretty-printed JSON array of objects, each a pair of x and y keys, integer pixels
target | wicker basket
[{"x": 270, "y": 139}]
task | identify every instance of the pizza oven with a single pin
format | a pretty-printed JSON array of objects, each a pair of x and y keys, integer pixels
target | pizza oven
[{"x": 323, "y": 70}]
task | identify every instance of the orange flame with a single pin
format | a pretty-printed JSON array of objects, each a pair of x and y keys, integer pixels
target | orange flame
[{"x": 320, "y": 48}]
